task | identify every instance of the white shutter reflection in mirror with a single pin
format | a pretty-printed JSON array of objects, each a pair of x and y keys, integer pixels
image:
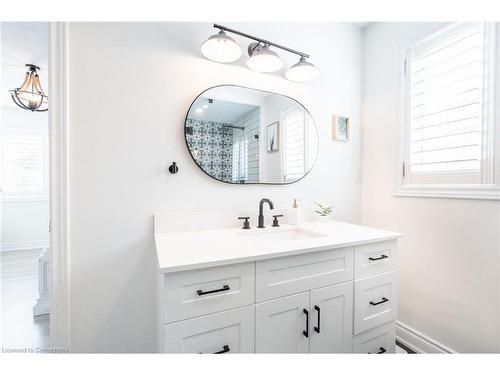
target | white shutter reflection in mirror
[
  {"x": 447, "y": 98},
  {"x": 300, "y": 143}
]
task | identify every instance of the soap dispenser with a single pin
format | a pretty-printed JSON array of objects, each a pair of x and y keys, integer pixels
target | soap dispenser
[{"x": 294, "y": 213}]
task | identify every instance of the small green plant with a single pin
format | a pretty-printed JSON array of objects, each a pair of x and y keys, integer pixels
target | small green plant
[{"x": 323, "y": 210}]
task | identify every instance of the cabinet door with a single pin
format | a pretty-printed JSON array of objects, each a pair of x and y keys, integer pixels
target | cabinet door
[
  {"x": 331, "y": 319},
  {"x": 280, "y": 325},
  {"x": 228, "y": 332}
]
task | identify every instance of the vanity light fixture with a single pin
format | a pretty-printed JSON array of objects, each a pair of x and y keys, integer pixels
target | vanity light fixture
[
  {"x": 221, "y": 48},
  {"x": 30, "y": 95},
  {"x": 262, "y": 58}
]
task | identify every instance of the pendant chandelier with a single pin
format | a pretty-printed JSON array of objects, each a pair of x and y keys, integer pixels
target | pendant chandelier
[{"x": 30, "y": 95}]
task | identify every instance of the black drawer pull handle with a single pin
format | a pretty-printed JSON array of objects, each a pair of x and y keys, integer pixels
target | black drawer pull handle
[
  {"x": 225, "y": 349},
  {"x": 381, "y": 350},
  {"x": 223, "y": 289},
  {"x": 306, "y": 332},
  {"x": 384, "y": 300},
  {"x": 316, "y": 329},
  {"x": 383, "y": 256}
]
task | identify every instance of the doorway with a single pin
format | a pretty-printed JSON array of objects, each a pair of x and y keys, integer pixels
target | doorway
[{"x": 25, "y": 261}]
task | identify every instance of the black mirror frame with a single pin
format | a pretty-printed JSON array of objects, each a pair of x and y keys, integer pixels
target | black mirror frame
[{"x": 248, "y": 183}]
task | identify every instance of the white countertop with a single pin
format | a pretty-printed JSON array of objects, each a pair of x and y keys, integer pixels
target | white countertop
[{"x": 189, "y": 250}]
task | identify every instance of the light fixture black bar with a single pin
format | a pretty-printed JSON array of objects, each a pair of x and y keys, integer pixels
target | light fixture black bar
[{"x": 224, "y": 28}]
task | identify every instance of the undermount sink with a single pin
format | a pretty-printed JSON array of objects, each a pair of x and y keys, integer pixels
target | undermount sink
[{"x": 280, "y": 234}]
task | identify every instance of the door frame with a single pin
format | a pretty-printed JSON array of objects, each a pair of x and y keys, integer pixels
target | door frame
[{"x": 59, "y": 188}]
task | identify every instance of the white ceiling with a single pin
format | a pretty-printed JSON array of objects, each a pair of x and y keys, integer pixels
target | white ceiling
[
  {"x": 218, "y": 111},
  {"x": 22, "y": 43}
]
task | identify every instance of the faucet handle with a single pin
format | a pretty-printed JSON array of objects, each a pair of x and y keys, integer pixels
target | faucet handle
[
  {"x": 275, "y": 221},
  {"x": 246, "y": 224}
]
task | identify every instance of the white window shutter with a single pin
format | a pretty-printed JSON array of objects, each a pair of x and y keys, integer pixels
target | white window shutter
[
  {"x": 446, "y": 79},
  {"x": 294, "y": 132},
  {"x": 300, "y": 143}
]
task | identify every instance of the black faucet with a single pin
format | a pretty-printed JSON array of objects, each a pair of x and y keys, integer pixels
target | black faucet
[{"x": 261, "y": 206}]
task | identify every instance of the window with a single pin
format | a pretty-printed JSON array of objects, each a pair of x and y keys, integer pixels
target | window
[
  {"x": 449, "y": 132},
  {"x": 24, "y": 173},
  {"x": 300, "y": 143}
]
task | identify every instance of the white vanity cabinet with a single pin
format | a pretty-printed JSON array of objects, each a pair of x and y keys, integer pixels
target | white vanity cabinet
[
  {"x": 340, "y": 300},
  {"x": 312, "y": 288}
]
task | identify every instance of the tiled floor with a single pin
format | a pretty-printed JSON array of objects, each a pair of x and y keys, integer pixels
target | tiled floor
[
  {"x": 403, "y": 348},
  {"x": 19, "y": 290}
]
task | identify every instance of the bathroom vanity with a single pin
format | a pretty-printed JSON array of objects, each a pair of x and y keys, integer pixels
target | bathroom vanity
[{"x": 313, "y": 288}]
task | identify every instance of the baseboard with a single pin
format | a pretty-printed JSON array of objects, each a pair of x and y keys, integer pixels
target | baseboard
[
  {"x": 24, "y": 245},
  {"x": 419, "y": 342}
]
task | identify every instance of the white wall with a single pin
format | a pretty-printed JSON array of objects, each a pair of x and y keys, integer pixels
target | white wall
[
  {"x": 24, "y": 224},
  {"x": 130, "y": 87},
  {"x": 449, "y": 279}
]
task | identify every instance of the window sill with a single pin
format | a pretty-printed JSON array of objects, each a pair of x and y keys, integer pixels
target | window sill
[{"x": 483, "y": 192}]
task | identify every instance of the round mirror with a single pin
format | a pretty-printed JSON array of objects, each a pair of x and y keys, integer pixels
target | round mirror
[{"x": 244, "y": 136}]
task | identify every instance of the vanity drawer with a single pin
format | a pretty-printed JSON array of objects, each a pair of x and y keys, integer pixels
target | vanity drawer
[
  {"x": 225, "y": 332},
  {"x": 374, "y": 258},
  {"x": 379, "y": 340},
  {"x": 297, "y": 273},
  {"x": 200, "y": 292},
  {"x": 374, "y": 301}
]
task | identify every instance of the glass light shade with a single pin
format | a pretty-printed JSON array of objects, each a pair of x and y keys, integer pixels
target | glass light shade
[
  {"x": 302, "y": 71},
  {"x": 32, "y": 101},
  {"x": 264, "y": 60},
  {"x": 221, "y": 48}
]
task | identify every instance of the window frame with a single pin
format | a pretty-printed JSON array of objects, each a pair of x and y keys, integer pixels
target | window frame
[{"x": 489, "y": 188}]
